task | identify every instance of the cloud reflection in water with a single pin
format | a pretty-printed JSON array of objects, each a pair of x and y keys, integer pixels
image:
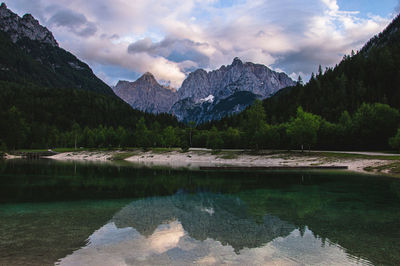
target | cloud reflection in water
[{"x": 182, "y": 230}]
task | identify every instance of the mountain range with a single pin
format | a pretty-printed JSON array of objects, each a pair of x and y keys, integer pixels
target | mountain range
[{"x": 205, "y": 96}]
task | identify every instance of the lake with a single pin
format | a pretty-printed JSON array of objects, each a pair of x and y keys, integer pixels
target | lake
[{"x": 69, "y": 213}]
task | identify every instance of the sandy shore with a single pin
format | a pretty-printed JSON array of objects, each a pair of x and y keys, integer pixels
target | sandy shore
[
  {"x": 197, "y": 158},
  {"x": 10, "y": 157},
  {"x": 83, "y": 156}
]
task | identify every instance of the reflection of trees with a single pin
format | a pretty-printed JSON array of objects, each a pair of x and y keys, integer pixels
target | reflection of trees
[
  {"x": 395, "y": 188},
  {"x": 41, "y": 233},
  {"x": 361, "y": 215},
  {"x": 48, "y": 180},
  {"x": 204, "y": 215}
]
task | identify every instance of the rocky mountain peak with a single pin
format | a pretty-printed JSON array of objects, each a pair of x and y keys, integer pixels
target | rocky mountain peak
[
  {"x": 237, "y": 62},
  {"x": 146, "y": 94},
  {"x": 148, "y": 78},
  {"x": 26, "y": 27},
  {"x": 30, "y": 19},
  {"x": 205, "y": 96},
  {"x": 122, "y": 83},
  {"x": 148, "y": 75},
  {"x": 196, "y": 85}
]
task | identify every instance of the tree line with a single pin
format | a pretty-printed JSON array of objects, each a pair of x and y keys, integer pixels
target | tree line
[
  {"x": 371, "y": 127},
  {"x": 33, "y": 116}
]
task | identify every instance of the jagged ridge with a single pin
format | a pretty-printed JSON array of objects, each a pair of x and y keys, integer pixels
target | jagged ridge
[
  {"x": 146, "y": 94},
  {"x": 25, "y": 27},
  {"x": 226, "y": 82},
  {"x": 204, "y": 95},
  {"x": 29, "y": 53}
]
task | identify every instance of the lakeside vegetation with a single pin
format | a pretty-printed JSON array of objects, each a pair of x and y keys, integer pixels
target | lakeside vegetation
[{"x": 371, "y": 127}]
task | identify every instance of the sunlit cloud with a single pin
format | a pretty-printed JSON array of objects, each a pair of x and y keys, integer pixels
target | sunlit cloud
[{"x": 171, "y": 38}]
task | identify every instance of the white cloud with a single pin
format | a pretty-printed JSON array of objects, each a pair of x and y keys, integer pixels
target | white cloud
[{"x": 295, "y": 36}]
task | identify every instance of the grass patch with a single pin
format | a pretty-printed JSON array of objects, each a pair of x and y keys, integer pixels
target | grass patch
[
  {"x": 264, "y": 152},
  {"x": 30, "y": 150},
  {"x": 393, "y": 168},
  {"x": 164, "y": 150},
  {"x": 215, "y": 152},
  {"x": 122, "y": 155},
  {"x": 356, "y": 156},
  {"x": 66, "y": 150},
  {"x": 333, "y": 155},
  {"x": 228, "y": 155}
]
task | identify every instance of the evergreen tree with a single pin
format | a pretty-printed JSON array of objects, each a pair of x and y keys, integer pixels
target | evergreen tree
[
  {"x": 303, "y": 129},
  {"x": 214, "y": 140},
  {"x": 142, "y": 134}
]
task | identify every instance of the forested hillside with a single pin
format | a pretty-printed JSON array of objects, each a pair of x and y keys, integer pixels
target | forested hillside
[
  {"x": 45, "y": 65},
  {"x": 32, "y": 116},
  {"x": 369, "y": 76}
]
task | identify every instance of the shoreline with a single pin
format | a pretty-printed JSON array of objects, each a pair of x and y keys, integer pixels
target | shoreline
[{"x": 196, "y": 158}]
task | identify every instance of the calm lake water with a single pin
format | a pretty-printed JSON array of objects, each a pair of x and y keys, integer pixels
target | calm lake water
[{"x": 117, "y": 214}]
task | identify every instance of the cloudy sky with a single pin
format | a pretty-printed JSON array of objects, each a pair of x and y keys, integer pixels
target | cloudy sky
[{"x": 121, "y": 39}]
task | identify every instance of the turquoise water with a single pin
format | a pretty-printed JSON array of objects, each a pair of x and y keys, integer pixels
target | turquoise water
[{"x": 120, "y": 214}]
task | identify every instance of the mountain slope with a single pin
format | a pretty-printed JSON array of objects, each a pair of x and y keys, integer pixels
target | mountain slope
[
  {"x": 146, "y": 94},
  {"x": 188, "y": 110},
  {"x": 29, "y": 53},
  {"x": 371, "y": 75}
]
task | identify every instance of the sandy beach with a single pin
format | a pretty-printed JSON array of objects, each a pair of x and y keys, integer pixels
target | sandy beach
[
  {"x": 199, "y": 158},
  {"x": 84, "y": 156}
]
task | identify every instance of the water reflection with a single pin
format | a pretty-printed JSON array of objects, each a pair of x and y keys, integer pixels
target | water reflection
[
  {"x": 49, "y": 209},
  {"x": 204, "y": 229},
  {"x": 204, "y": 215}
]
